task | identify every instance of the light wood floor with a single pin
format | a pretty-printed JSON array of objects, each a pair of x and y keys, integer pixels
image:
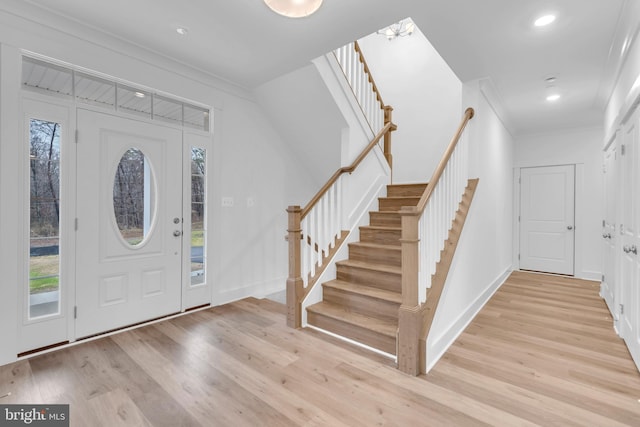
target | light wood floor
[{"x": 542, "y": 352}]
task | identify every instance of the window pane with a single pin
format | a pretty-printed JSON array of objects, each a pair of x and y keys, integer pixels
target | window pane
[
  {"x": 198, "y": 216},
  {"x": 45, "y": 77},
  {"x": 134, "y": 101},
  {"x": 167, "y": 110},
  {"x": 132, "y": 196},
  {"x": 196, "y": 117},
  {"x": 94, "y": 90},
  {"x": 44, "y": 207}
]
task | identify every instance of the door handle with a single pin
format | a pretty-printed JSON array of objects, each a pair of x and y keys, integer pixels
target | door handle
[
  {"x": 626, "y": 249},
  {"x": 177, "y": 233},
  {"x": 569, "y": 227},
  {"x": 633, "y": 249}
]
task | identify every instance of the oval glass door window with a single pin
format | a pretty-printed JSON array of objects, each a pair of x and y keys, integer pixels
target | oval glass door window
[{"x": 133, "y": 203}]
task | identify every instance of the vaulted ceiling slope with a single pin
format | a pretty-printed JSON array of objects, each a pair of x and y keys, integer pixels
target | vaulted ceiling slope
[{"x": 245, "y": 43}]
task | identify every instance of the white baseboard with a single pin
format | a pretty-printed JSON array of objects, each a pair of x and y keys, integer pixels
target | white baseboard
[
  {"x": 257, "y": 290},
  {"x": 437, "y": 349},
  {"x": 590, "y": 275}
]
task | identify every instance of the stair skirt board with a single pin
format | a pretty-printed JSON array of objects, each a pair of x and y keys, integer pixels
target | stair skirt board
[{"x": 352, "y": 342}]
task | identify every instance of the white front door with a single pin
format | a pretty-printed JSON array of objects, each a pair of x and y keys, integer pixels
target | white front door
[
  {"x": 629, "y": 322},
  {"x": 547, "y": 219},
  {"x": 609, "y": 280},
  {"x": 129, "y": 222}
]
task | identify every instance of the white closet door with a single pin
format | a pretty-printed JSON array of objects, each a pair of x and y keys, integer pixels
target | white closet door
[
  {"x": 609, "y": 236},
  {"x": 547, "y": 201},
  {"x": 629, "y": 322}
]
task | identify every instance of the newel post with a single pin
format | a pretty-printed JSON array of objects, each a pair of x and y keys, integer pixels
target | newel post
[
  {"x": 388, "y": 112},
  {"x": 409, "y": 315},
  {"x": 294, "y": 281}
]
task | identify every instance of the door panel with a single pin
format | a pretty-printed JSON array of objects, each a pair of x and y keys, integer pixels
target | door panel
[
  {"x": 547, "y": 219},
  {"x": 130, "y": 205}
]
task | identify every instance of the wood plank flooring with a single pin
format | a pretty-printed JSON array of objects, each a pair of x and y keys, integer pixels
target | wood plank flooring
[{"x": 541, "y": 353}]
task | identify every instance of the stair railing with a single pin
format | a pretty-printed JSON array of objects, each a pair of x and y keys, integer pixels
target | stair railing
[
  {"x": 317, "y": 231},
  {"x": 365, "y": 90},
  {"x": 425, "y": 229}
]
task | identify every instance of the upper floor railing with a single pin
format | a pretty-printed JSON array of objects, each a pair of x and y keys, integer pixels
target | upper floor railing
[{"x": 357, "y": 73}]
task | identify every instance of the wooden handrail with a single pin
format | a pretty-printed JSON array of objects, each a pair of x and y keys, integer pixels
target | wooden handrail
[
  {"x": 346, "y": 169},
  {"x": 366, "y": 70},
  {"x": 422, "y": 204}
]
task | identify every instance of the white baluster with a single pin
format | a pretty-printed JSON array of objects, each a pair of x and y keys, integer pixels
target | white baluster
[{"x": 305, "y": 250}]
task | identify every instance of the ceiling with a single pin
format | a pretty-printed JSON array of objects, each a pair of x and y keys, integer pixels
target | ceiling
[{"x": 243, "y": 42}]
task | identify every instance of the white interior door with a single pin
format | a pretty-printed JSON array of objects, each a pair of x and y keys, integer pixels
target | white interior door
[
  {"x": 609, "y": 280},
  {"x": 630, "y": 235},
  {"x": 547, "y": 200},
  {"x": 129, "y": 222}
]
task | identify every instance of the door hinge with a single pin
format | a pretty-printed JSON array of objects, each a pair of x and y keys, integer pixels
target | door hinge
[
  {"x": 603, "y": 222},
  {"x": 519, "y": 180},
  {"x": 518, "y": 257},
  {"x": 621, "y": 308},
  {"x": 75, "y": 224},
  {"x": 76, "y": 136},
  {"x": 623, "y": 150},
  {"x": 75, "y": 311},
  {"x": 603, "y": 278},
  {"x": 518, "y": 218}
]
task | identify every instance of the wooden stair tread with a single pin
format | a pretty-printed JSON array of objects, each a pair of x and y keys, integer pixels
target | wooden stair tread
[
  {"x": 333, "y": 311},
  {"x": 386, "y": 213},
  {"x": 377, "y": 293},
  {"x": 400, "y": 197},
  {"x": 370, "y": 266},
  {"x": 380, "y": 227},
  {"x": 376, "y": 246}
]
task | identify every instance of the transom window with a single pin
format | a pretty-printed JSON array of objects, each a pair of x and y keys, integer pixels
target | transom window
[{"x": 84, "y": 87}]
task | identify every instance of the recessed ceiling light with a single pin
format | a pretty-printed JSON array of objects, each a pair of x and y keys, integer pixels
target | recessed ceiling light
[
  {"x": 140, "y": 95},
  {"x": 553, "y": 97},
  {"x": 182, "y": 31},
  {"x": 294, "y": 8},
  {"x": 544, "y": 20}
]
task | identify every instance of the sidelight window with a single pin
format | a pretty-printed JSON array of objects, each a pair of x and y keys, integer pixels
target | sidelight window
[
  {"x": 198, "y": 215},
  {"x": 44, "y": 218}
]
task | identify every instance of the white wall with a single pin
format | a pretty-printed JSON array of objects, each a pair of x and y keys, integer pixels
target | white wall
[
  {"x": 425, "y": 95},
  {"x": 627, "y": 80},
  {"x": 483, "y": 257},
  {"x": 581, "y": 147},
  {"x": 247, "y": 247},
  {"x": 305, "y": 114}
]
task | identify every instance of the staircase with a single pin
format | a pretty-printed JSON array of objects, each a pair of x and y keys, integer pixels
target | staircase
[{"x": 362, "y": 302}]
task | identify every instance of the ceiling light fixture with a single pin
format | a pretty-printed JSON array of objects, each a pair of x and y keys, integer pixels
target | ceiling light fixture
[
  {"x": 140, "y": 95},
  {"x": 182, "y": 31},
  {"x": 553, "y": 94},
  {"x": 399, "y": 29},
  {"x": 294, "y": 8},
  {"x": 545, "y": 20}
]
